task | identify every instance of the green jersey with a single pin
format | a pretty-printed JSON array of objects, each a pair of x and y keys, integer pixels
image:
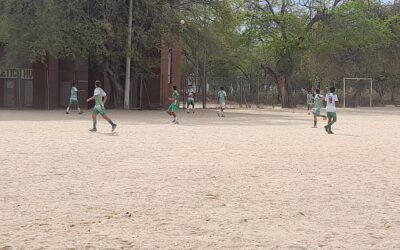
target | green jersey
[
  {"x": 74, "y": 93},
  {"x": 175, "y": 96},
  {"x": 317, "y": 102},
  {"x": 221, "y": 96},
  {"x": 98, "y": 95},
  {"x": 309, "y": 98}
]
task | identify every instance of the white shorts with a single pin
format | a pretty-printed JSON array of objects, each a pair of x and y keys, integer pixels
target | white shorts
[{"x": 222, "y": 105}]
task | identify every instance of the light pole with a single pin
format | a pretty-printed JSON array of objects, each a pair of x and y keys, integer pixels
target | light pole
[{"x": 128, "y": 60}]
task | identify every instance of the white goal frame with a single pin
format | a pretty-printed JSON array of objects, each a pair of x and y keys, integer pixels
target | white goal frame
[{"x": 357, "y": 79}]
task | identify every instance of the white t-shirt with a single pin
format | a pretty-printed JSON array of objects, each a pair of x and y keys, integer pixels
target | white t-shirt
[
  {"x": 331, "y": 100},
  {"x": 99, "y": 91}
]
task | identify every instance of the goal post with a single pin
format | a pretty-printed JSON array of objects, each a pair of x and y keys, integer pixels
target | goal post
[{"x": 357, "y": 79}]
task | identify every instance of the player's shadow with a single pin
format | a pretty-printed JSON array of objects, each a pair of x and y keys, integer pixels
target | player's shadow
[
  {"x": 347, "y": 135},
  {"x": 108, "y": 134}
]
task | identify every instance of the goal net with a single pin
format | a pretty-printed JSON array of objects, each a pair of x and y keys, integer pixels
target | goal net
[{"x": 357, "y": 92}]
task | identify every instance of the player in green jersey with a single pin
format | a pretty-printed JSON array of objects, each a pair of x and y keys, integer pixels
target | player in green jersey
[
  {"x": 317, "y": 106},
  {"x": 73, "y": 99},
  {"x": 100, "y": 98},
  {"x": 174, "y": 105},
  {"x": 221, "y": 101}
]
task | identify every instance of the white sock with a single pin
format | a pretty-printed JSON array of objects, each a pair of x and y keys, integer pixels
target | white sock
[
  {"x": 79, "y": 110},
  {"x": 68, "y": 109}
]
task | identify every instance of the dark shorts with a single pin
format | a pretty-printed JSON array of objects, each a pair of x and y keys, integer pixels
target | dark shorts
[{"x": 331, "y": 115}]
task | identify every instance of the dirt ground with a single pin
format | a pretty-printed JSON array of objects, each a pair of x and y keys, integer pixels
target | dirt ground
[{"x": 256, "y": 179}]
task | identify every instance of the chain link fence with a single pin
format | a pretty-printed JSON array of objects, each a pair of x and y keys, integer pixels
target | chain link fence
[
  {"x": 242, "y": 92},
  {"x": 262, "y": 92}
]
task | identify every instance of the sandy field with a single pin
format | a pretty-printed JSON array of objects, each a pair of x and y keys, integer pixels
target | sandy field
[{"x": 256, "y": 179}]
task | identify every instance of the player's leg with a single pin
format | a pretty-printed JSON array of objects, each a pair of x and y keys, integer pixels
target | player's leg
[
  {"x": 315, "y": 120},
  {"x": 175, "y": 119},
  {"x": 222, "y": 109},
  {"x": 327, "y": 127},
  {"x": 188, "y": 106},
  {"x": 193, "y": 106},
  {"x": 94, "y": 119},
  {"x": 334, "y": 119},
  {"x": 113, "y": 125},
  {"x": 67, "y": 111},
  {"x": 69, "y": 105},
  {"x": 79, "y": 108}
]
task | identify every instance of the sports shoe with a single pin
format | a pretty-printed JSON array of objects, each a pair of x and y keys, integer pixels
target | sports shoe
[
  {"x": 93, "y": 130},
  {"x": 67, "y": 112},
  {"x": 113, "y": 127},
  {"x": 330, "y": 132},
  {"x": 326, "y": 129},
  {"x": 80, "y": 113}
]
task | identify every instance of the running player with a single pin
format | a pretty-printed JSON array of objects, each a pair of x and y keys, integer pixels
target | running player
[
  {"x": 317, "y": 106},
  {"x": 309, "y": 101},
  {"x": 331, "y": 99},
  {"x": 174, "y": 105},
  {"x": 100, "y": 98},
  {"x": 73, "y": 99},
  {"x": 221, "y": 101},
  {"x": 190, "y": 98}
]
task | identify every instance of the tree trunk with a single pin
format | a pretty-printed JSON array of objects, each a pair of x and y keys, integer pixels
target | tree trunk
[
  {"x": 117, "y": 91},
  {"x": 285, "y": 92}
]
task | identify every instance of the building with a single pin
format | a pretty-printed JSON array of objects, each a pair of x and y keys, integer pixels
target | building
[{"x": 47, "y": 85}]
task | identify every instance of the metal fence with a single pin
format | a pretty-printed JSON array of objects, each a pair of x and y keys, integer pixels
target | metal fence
[
  {"x": 242, "y": 92},
  {"x": 262, "y": 92}
]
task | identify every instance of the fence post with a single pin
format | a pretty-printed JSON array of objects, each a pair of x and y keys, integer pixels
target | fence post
[{"x": 258, "y": 92}]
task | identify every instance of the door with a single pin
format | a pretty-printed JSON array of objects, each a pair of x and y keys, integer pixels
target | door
[
  {"x": 28, "y": 93},
  {"x": 9, "y": 94}
]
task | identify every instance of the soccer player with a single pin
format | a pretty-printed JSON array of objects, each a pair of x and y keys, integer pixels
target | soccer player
[
  {"x": 309, "y": 101},
  {"x": 331, "y": 99},
  {"x": 221, "y": 101},
  {"x": 190, "y": 98},
  {"x": 73, "y": 99},
  {"x": 100, "y": 98},
  {"x": 174, "y": 105},
  {"x": 317, "y": 106}
]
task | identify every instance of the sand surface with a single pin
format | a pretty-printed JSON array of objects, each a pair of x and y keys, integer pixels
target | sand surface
[{"x": 257, "y": 179}]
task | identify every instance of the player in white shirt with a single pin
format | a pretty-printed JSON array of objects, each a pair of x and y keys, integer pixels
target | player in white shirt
[
  {"x": 100, "y": 98},
  {"x": 221, "y": 101},
  {"x": 73, "y": 99},
  {"x": 331, "y": 100},
  {"x": 190, "y": 98}
]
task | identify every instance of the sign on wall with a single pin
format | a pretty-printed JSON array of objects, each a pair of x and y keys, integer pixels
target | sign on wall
[{"x": 16, "y": 73}]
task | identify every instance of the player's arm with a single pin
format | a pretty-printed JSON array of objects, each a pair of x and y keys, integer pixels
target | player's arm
[
  {"x": 90, "y": 99},
  {"x": 105, "y": 98}
]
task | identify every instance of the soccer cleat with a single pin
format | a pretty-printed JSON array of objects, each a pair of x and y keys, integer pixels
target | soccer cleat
[
  {"x": 188, "y": 111},
  {"x": 113, "y": 127},
  {"x": 93, "y": 130},
  {"x": 80, "y": 112},
  {"x": 330, "y": 132},
  {"x": 326, "y": 129},
  {"x": 314, "y": 126},
  {"x": 67, "y": 112}
]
